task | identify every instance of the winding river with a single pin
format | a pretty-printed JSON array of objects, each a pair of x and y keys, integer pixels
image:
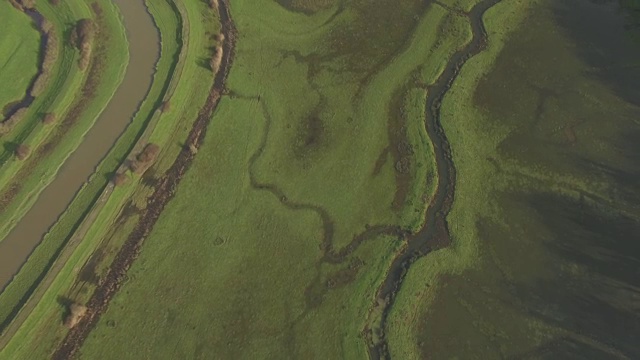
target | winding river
[
  {"x": 435, "y": 233},
  {"x": 144, "y": 51}
]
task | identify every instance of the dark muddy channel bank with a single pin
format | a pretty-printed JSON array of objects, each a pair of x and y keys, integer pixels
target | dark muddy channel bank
[{"x": 144, "y": 51}]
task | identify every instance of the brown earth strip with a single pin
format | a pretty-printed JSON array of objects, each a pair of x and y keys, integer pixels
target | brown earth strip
[{"x": 165, "y": 188}]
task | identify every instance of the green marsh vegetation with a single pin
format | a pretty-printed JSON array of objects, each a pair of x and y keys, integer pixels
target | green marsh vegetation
[{"x": 543, "y": 127}]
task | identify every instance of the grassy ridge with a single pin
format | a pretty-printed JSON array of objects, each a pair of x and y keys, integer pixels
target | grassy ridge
[{"x": 19, "y": 49}]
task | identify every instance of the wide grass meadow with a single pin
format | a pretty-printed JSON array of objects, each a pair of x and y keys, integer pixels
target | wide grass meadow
[{"x": 19, "y": 51}]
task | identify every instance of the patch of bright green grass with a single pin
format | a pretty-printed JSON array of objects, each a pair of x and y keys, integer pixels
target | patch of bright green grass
[{"x": 19, "y": 51}]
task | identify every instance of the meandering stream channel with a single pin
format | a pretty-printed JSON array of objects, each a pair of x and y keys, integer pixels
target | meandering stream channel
[
  {"x": 435, "y": 232},
  {"x": 144, "y": 51}
]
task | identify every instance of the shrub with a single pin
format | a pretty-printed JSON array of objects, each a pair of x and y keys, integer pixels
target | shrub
[
  {"x": 16, "y": 5},
  {"x": 46, "y": 26},
  {"x": 165, "y": 107},
  {"x": 193, "y": 149},
  {"x": 137, "y": 167},
  {"x": 216, "y": 59},
  {"x": 145, "y": 158},
  {"x": 149, "y": 154},
  {"x": 48, "y": 61},
  {"x": 120, "y": 179},
  {"x": 22, "y": 151},
  {"x": 15, "y": 118},
  {"x": 76, "y": 312},
  {"x": 218, "y": 37},
  {"x": 28, "y": 4},
  {"x": 49, "y": 118}
]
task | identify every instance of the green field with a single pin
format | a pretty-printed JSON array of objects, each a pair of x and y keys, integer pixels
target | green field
[
  {"x": 279, "y": 229},
  {"x": 19, "y": 51}
]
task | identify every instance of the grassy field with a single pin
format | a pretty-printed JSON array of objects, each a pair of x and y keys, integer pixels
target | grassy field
[
  {"x": 272, "y": 248},
  {"x": 543, "y": 216},
  {"x": 21, "y": 181},
  {"x": 19, "y": 50}
]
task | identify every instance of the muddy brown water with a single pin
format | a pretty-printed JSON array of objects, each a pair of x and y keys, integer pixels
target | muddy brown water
[{"x": 144, "y": 49}]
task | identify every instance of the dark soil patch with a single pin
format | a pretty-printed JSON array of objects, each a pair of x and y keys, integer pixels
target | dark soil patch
[{"x": 382, "y": 160}]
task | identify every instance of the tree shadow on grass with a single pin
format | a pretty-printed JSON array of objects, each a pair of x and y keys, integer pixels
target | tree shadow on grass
[
  {"x": 65, "y": 303},
  {"x": 10, "y": 146}
]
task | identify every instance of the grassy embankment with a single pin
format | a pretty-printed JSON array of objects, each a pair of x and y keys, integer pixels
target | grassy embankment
[
  {"x": 75, "y": 97},
  {"x": 19, "y": 49},
  {"x": 283, "y": 228},
  {"x": 182, "y": 79},
  {"x": 543, "y": 138},
  {"x": 41, "y": 260}
]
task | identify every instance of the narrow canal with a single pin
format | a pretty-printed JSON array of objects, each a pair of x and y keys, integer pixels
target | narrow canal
[{"x": 144, "y": 51}]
